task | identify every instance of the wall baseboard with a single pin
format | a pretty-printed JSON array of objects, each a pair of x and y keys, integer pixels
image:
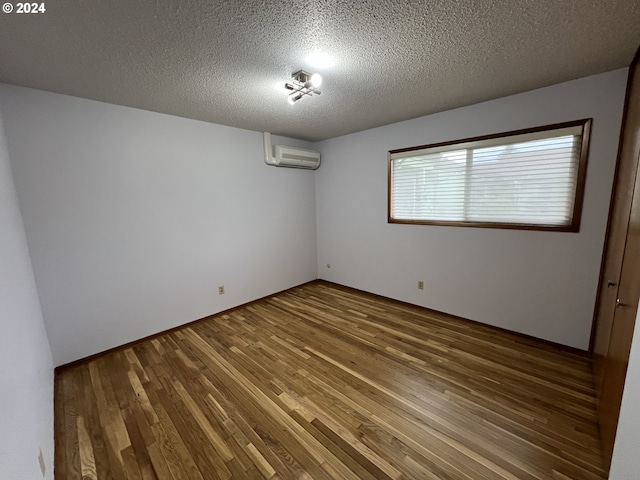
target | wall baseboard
[
  {"x": 170, "y": 330},
  {"x": 523, "y": 336}
]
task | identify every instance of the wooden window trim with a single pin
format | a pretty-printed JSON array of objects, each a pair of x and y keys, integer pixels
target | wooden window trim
[{"x": 573, "y": 226}]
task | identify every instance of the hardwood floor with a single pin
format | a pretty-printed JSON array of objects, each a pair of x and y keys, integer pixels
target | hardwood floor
[{"x": 324, "y": 382}]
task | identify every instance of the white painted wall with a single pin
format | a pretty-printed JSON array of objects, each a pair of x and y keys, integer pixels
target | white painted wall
[
  {"x": 626, "y": 461},
  {"x": 26, "y": 366},
  {"x": 134, "y": 218},
  {"x": 538, "y": 283}
]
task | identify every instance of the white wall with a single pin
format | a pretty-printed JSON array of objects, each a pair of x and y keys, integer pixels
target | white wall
[
  {"x": 134, "y": 218},
  {"x": 26, "y": 367},
  {"x": 538, "y": 283},
  {"x": 626, "y": 461}
]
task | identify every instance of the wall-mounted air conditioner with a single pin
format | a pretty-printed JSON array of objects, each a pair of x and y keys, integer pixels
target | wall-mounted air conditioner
[{"x": 289, "y": 156}]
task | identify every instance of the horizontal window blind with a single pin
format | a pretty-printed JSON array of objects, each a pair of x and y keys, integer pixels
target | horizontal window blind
[{"x": 529, "y": 178}]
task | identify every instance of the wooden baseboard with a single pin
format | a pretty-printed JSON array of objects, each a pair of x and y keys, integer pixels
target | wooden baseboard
[
  {"x": 529, "y": 338},
  {"x": 169, "y": 330},
  {"x": 523, "y": 336}
]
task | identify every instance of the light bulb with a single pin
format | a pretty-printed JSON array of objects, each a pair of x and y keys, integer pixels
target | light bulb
[
  {"x": 316, "y": 80},
  {"x": 294, "y": 98}
]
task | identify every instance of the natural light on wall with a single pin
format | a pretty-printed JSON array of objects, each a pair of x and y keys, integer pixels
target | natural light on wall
[{"x": 531, "y": 179}]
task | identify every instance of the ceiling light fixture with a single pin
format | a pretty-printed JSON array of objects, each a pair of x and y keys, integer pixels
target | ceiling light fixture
[{"x": 303, "y": 83}]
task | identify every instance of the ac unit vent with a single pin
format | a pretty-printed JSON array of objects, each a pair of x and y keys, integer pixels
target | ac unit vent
[
  {"x": 289, "y": 156},
  {"x": 296, "y": 157}
]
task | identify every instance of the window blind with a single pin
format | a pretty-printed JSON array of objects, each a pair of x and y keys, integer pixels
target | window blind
[{"x": 517, "y": 179}]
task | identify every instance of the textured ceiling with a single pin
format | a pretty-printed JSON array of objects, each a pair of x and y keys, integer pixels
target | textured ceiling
[{"x": 226, "y": 62}]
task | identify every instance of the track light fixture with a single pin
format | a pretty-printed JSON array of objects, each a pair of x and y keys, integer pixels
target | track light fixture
[{"x": 303, "y": 83}]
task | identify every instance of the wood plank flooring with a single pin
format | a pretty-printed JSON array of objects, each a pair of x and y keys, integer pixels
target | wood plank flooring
[{"x": 324, "y": 382}]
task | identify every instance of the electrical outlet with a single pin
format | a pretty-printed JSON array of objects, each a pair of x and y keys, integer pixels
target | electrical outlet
[
  {"x": 221, "y": 290},
  {"x": 420, "y": 285}
]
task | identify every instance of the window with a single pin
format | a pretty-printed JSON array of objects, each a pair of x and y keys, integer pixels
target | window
[{"x": 526, "y": 179}]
